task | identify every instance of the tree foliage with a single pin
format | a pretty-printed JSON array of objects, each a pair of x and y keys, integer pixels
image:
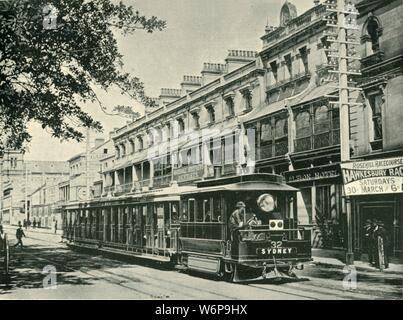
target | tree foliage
[{"x": 48, "y": 71}]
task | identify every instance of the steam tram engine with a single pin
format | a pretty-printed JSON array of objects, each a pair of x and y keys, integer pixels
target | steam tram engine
[{"x": 238, "y": 228}]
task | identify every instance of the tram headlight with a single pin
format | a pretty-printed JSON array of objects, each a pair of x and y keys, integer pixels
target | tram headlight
[{"x": 276, "y": 224}]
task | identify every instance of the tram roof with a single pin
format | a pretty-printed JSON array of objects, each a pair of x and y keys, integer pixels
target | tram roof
[{"x": 246, "y": 186}]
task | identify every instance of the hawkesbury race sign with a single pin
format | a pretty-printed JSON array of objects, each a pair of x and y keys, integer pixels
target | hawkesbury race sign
[{"x": 373, "y": 177}]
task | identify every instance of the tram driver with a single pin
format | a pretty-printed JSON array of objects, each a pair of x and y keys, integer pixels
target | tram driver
[{"x": 236, "y": 219}]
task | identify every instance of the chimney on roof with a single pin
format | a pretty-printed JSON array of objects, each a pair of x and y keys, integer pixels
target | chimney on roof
[
  {"x": 212, "y": 71},
  {"x": 190, "y": 83},
  {"x": 169, "y": 95},
  {"x": 238, "y": 58},
  {"x": 99, "y": 141}
]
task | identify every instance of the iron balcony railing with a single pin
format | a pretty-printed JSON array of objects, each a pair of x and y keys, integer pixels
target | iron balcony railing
[
  {"x": 279, "y": 148},
  {"x": 318, "y": 141}
]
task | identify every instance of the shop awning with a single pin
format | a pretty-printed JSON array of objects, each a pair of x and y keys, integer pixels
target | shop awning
[
  {"x": 264, "y": 110},
  {"x": 315, "y": 93}
]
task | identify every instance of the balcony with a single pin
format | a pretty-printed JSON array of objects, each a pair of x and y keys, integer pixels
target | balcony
[
  {"x": 123, "y": 188},
  {"x": 162, "y": 181},
  {"x": 372, "y": 59},
  {"x": 279, "y": 148},
  {"x": 317, "y": 141}
]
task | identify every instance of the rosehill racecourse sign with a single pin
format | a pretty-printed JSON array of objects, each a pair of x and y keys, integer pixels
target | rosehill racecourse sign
[{"x": 373, "y": 177}]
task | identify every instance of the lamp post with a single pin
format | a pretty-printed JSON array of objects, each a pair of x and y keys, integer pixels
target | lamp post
[{"x": 341, "y": 18}]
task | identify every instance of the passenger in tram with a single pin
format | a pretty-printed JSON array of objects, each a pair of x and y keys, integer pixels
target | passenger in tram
[{"x": 207, "y": 218}]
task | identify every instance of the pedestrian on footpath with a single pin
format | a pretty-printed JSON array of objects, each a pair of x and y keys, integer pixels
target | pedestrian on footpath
[
  {"x": 19, "y": 234},
  {"x": 55, "y": 226}
]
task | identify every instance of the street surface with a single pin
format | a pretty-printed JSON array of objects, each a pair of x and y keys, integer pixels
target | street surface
[{"x": 82, "y": 276}]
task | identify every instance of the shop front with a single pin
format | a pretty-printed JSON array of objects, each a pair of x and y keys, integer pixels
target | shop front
[
  {"x": 376, "y": 191},
  {"x": 320, "y": 204}
]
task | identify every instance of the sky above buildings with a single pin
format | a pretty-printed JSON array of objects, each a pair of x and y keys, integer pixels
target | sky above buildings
[{"x": 197, "y": 31}]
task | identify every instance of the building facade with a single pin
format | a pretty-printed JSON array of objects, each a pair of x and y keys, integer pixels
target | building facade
[
  {"x": 20, "y": 178},
  {"x": 274, "y": 111},
  {"x": 376, "y": 132}
]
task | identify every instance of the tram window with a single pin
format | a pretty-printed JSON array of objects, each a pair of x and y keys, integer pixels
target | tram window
[
  {"x": 174, "y": 213},
  {"x": 216, "y": 216},
  {"x": 206, "y": 210},
  {"x": 192, "y": 210},
  {"x": 184, "y": 216}
]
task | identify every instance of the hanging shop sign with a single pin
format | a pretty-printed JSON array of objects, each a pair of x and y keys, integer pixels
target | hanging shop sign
[
  {"x": 313, "y": 174},
  {"x": 373, "y": 177}
]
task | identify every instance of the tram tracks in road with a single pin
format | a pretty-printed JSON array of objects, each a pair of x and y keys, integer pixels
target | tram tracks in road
[
  {"x": 126, "y": 281},
  {"x": 315, "y": 292},
  {"x": 65, "y": 267}
]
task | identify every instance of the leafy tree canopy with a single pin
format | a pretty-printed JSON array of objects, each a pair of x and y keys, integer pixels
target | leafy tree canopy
[{"x": 53, "y": 54}]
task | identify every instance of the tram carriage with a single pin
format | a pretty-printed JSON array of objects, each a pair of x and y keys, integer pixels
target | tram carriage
[
  {"x": 262, "y": 247},
  {"x": 189, "y": 226}
]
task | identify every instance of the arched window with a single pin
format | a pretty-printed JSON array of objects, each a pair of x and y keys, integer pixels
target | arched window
[
  {"x": 132, "y": 147},
  {"x": 117, "y": 150},
  {"x": 322, "y": 119},
  {"x": 303, "y": 124},
  {"x": 281, "y": 128},
  {"x": 372, "y": 29},
  {"x": 371, "y": 34},
  {"x": 123, "y": 149},
  {"x": 140, "y": 143}
]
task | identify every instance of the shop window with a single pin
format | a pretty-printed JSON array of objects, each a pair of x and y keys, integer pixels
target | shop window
[{"x": 327, "y": 216}]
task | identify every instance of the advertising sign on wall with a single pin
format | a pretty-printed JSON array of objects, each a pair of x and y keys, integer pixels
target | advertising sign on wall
[{"x": 373, "y": 177}]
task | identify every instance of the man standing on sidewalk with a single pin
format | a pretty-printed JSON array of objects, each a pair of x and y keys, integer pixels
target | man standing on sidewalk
[
  {"x": 19, "y": 234},
  {"x": 55, "y": 226}
]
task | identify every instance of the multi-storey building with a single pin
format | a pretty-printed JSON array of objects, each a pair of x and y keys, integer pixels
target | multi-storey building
[
  {"x": 84, "y": 171},
  {"x": 20, "y": 178},
  {"x": 272, "y": 111},
  {"x": 44, "y": 205},
  {"x": 258, "y": 112},
  {"x": 375, "y": 126}
]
